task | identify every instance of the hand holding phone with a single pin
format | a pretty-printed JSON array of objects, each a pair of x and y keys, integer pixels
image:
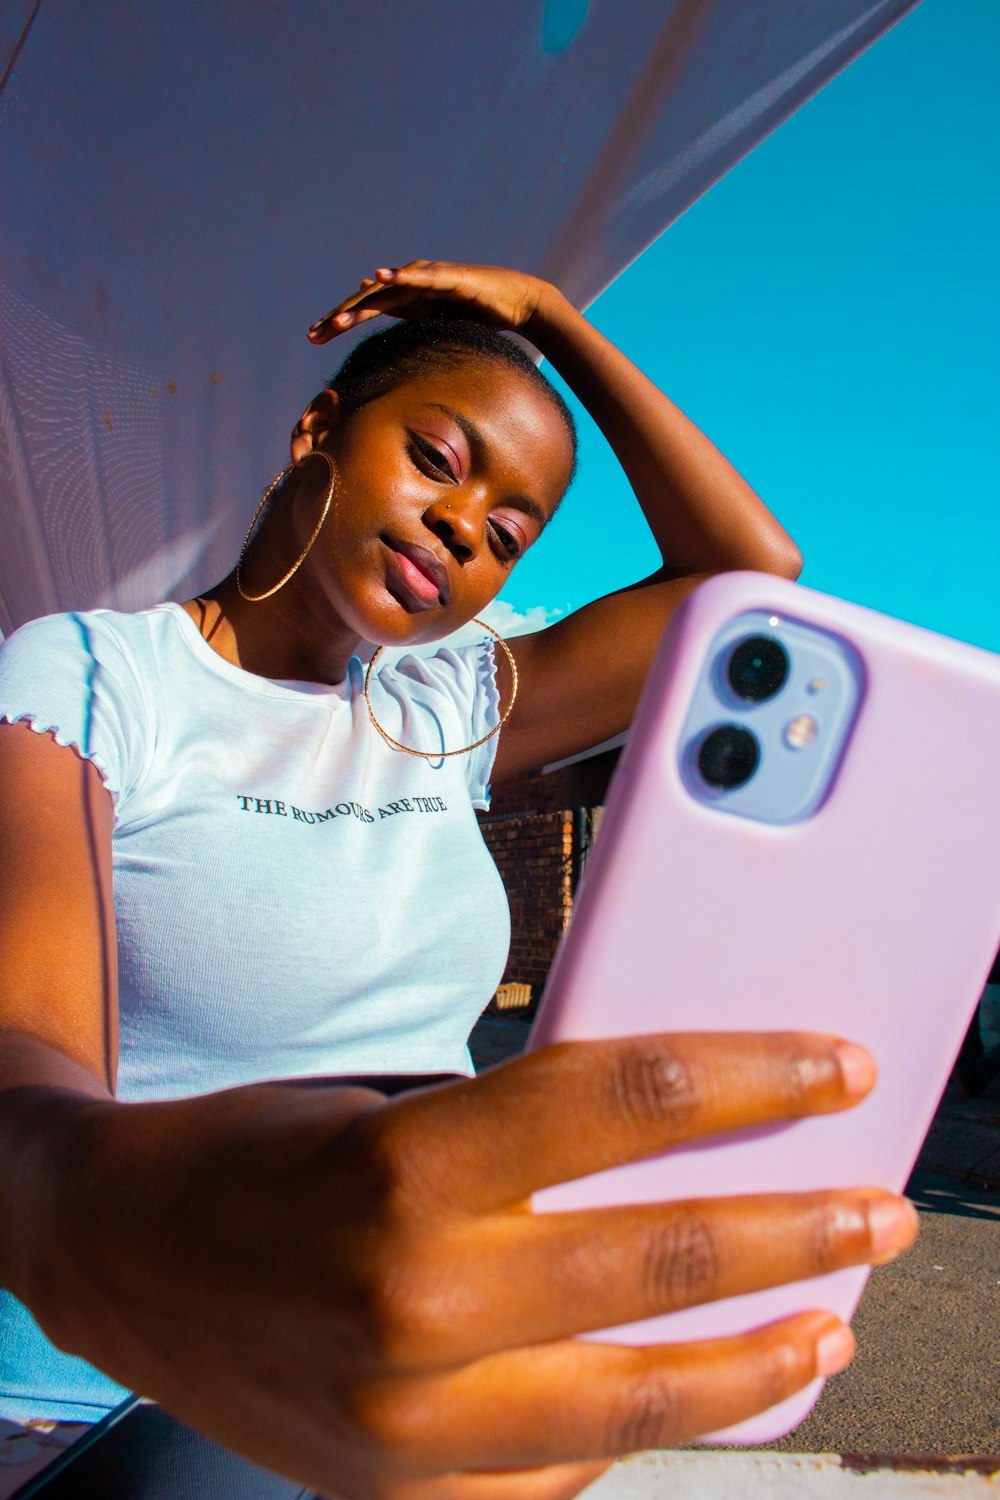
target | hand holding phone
[
  {"x": 348, "y": 1290},
  {"x": 802, "y": 833}
]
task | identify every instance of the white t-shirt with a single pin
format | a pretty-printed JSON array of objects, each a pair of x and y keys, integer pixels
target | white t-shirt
[{"x": 292, "y": 897}]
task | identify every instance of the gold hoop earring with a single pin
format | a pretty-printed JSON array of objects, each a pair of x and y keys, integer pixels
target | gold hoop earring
[
  {"x": 256, "y": 598},
  {"x": 443, "y": 754}
]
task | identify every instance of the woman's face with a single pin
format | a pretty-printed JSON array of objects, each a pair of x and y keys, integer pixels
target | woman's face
[{"x": 443, "y": 484}]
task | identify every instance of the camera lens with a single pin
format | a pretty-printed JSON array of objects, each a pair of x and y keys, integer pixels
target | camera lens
[
  {"x": 729, "y": 757},
  {"x": 758, "y": 669}
]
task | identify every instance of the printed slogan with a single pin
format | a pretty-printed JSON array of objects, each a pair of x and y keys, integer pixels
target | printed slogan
[{"x": 274, "y": 807}]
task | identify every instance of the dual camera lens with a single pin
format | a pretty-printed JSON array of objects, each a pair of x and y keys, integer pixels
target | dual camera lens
[{"x": 756, "y": 671}]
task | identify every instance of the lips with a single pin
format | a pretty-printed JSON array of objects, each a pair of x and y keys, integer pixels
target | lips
[{"x": 417, "y": 573}]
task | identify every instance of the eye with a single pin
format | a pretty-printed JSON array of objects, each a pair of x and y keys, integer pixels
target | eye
[
  {"x": 508, "y": 545},
  {"x": 430, "y": 459}
]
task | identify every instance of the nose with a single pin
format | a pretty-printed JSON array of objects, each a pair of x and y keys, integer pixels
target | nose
[{"x": 457, "y": 526}]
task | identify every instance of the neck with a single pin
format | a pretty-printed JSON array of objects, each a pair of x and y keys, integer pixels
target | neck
[
  {"x": 281, "y": 637},
  {"x": 293, "y": 633}
]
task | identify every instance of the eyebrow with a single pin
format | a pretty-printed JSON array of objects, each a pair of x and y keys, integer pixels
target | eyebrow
[{"x": 479, "y": 446}]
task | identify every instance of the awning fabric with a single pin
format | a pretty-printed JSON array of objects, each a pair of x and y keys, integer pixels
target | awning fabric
[{"x": 185, "y": 187}]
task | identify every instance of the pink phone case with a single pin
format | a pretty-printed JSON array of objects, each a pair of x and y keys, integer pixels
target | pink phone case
[{"x": 876, "y": 918}]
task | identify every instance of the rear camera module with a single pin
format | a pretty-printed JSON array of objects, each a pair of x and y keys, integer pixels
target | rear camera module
[
  {"x": 728, "y": 757},
  {"x": 758, "y": 669}
]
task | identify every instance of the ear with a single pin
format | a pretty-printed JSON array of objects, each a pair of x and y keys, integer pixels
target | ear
[{"x": 316, "y": 422}]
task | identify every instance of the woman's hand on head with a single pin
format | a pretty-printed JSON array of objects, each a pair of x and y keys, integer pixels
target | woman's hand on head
[
  {"x": 492, "y": 294},
  {"x": 354, "y": 1291}
]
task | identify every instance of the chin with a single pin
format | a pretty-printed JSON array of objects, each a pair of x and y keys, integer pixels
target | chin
[{"x": 386, "y": 622}]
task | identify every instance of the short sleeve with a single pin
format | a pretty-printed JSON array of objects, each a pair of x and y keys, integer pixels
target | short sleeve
[
  {"x": 464, "y": 680},
  {"x": 70, "y": 676}
]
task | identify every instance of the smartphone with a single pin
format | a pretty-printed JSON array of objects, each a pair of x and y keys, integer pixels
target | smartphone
[{"x": 802, "y": 834}]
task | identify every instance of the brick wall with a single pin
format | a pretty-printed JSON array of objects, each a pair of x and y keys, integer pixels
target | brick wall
[
  {"x": 583, "y": 783},
  {"x": 534, "y": 854},
  {"x": 538, "y": 829}
]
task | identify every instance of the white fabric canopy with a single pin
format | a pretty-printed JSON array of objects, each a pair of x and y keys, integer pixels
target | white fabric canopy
[{"x": 185, "y": 187}]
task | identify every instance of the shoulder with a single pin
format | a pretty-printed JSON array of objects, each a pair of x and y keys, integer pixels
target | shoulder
[
  {"x": 76, "y": 635},
  {"x": 461, "y": 673},
  {"x": 82, "y": 677},
  {"x": 446, "y": 701}
]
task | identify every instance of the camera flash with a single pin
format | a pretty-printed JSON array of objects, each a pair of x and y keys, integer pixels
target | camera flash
[
  {"x": 774, "y": 621},
  {"x": 800, "y": 731}
]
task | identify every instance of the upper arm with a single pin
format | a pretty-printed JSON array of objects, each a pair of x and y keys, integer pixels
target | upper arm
[
  {"x": 579, "y": 681},
  {"x": 57, "y": 931}
]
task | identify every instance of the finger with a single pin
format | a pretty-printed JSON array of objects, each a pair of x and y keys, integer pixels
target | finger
[
  {"x": 334, "y": 321},
  {"x": 445, "y": 279},
  {"x": 367, "y": 285},
  {"x": 403, "y": 285},
  {"x": 551, "y": 1276},
  {"x": 371, "y": 302},
  {"x": 427, "y": 272},
  {"x": 580, "y": 1107},
  {"x": 345, "y": 313},
  {"x": 571, "y": 1402},
  {"x": 436, "y": 281}
]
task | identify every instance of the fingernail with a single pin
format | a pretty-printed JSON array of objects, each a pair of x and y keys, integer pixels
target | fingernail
[
  {"x": 892, "y": 1227},
  {"x": 343, "y": 317},
  {"x": 857, "y": 1068},
  {"x": 834, "y": 1351},
  {"x": 384, "y": 271}
]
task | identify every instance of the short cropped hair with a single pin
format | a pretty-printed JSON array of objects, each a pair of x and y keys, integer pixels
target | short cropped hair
[{"x": 410, "y": 347}]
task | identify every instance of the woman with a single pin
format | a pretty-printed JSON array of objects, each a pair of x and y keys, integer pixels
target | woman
[{"x": 345, "y": 1288}]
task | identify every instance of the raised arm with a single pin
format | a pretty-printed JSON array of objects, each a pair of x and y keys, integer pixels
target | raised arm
[
  {"x": 581, "y": 678},
  {"x": 704, "y": 516}
]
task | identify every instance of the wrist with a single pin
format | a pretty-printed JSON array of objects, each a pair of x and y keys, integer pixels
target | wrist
[{"x": 552, "y": 312}]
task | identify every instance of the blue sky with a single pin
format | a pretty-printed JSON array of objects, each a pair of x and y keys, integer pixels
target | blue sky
[{"x": 830, "y": 314}]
